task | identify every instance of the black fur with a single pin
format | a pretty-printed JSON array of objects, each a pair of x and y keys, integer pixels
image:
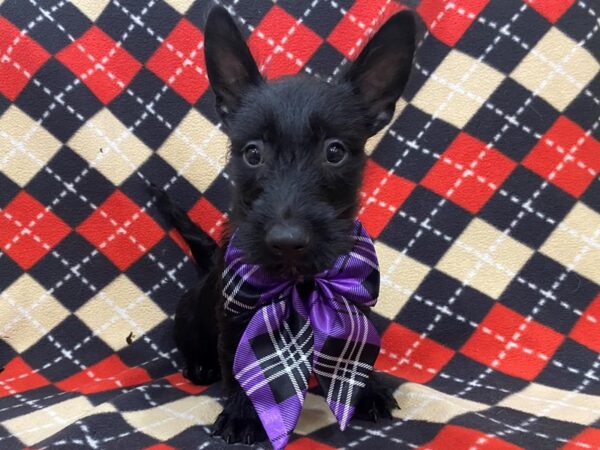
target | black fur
[{"x": 287, "y": 125}]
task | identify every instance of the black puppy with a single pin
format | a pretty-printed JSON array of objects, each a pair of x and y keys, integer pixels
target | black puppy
[{"x": 296, "y": 158}]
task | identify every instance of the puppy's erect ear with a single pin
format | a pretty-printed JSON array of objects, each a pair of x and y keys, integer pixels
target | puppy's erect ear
[
  {"x": 381, "y": 71},
  {"x": 229, "y": 63}
]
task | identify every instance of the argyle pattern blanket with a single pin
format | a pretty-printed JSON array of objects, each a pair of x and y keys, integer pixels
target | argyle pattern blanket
[{"x": 482, "y": 197}]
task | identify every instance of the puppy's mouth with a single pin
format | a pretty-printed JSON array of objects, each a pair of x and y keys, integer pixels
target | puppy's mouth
[
  {"x": 292, "y": 273},
  {"x": 293, "y": 270}
]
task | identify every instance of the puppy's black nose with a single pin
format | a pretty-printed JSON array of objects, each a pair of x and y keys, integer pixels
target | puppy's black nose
[{"x": 288, "y": 239}]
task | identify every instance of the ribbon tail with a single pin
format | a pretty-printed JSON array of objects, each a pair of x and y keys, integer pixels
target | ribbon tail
[
  {"x": 273, "y": 365},
  {"x": 346, "y": 347}
]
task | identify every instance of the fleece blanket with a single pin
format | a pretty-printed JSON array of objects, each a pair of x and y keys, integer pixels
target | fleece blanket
[{"x": 483, "y": 198}]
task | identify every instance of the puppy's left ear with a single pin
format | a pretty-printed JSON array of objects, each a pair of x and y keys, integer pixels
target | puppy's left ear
[{"x": 381, "y": 71}]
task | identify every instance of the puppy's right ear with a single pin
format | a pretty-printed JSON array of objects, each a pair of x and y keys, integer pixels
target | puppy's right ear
[
  {"x": 229, "y": 63},
  {"x": 381, "y": 71}
]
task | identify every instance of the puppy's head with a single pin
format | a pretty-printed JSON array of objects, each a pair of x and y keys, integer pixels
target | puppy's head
[{"x": 297, "y": 144}]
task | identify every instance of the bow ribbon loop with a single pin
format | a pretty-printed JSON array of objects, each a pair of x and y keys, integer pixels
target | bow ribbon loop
[{"x": 289, "y": 337}]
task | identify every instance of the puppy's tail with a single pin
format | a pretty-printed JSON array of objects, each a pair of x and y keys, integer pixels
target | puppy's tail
[{"x": 202, "y": 246}]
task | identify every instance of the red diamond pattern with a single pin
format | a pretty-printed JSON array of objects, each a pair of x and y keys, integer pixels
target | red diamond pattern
[
  {"x": 566, "y": 157},
  {"x": 468, "y": 173},
  {"x": 587, "y": 329},
  {"x": 589, "y": 438},
  {"x": 350, "y": 35},
  {"x": 121, "y": 230},
  {"x": 461, "y": 438},
  {"x": 551, "y": 9},
  {"x": 403, "y": 358},
  {"x": 179, "y": 61},
  {"x": 160, "y": 447},
  {"x": 281, "y": 44},
  {"x": 185, "y": 385},
  {"x": 448, "y": 24},
  {"x": 208, "y": 217},
  {"x": 22, "y": 378},
  {"x": 381, "y": 196},
  {"x": 307, "y": 444},
  {"x": 110, "y": 373},
  {"x": 28, "y": 231},
  {"x": 25, "y": 58},
  {"x": 103, "y": 65},
  {"x": 540, "y": 341}
]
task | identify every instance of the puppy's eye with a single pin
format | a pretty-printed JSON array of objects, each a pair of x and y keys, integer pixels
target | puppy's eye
[
  {"x": 335, "y": 152},
  {"x": 253, "y": 153}
]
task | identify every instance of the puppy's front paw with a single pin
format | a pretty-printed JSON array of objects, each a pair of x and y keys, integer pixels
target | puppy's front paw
[
  {"x": 238, "y": 422},
  {"x": 233, "y": 428},
  {"x": 376, "y": 402},
  {"x": 202, "y": 374}
]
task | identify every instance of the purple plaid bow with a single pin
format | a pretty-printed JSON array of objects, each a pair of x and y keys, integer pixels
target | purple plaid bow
[{"x": 289, "y": 337}]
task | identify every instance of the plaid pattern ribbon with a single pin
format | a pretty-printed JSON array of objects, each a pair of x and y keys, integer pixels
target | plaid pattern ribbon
[{"x": 289, "y": 336}]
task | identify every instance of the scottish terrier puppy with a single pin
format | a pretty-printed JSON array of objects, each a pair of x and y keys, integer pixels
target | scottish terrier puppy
[{"x": 296, "y": 162}]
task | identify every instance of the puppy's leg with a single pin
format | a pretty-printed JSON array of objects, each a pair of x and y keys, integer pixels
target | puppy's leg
[
  {"x": 238, "y": 422},
  {"x": 196, "y": 332},
  {"x": 376, "y": 400}
]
